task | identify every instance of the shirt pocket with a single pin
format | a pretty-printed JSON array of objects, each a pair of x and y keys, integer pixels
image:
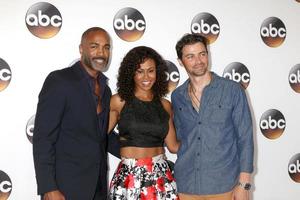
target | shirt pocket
[
  {"x": 185, "y": 122},
  {"x": 218, "y": 113},
  {"x": 185, "y": 116}
]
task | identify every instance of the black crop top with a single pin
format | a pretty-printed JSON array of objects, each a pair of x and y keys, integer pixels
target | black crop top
[{"x": 143, "y": 123}]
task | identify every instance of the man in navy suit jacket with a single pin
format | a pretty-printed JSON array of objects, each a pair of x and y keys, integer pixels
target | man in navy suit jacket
[{"x": 70, "y": 139}]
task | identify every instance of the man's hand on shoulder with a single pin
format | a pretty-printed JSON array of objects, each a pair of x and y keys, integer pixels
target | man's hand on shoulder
[{"x": 54, "y": 195}]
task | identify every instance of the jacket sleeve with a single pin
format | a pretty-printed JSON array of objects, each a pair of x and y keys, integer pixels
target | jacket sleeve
[
  {"x": 48, "y": 118},
  {"x": 244, "y": 129}
]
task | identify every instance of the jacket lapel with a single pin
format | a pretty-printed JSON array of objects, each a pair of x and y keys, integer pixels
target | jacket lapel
[{"x": 87, "y": 94}]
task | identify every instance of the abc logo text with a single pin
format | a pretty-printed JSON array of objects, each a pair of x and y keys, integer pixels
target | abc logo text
[
  {"x": 43, "y": 20},
  {"x": 206, "y": 25},
  {"x": 129, "y": 24}
]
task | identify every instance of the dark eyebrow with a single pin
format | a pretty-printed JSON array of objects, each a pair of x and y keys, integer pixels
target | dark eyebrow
[
  {"x": 189, "y": 54},
  {"x": 198, "y": 53}
]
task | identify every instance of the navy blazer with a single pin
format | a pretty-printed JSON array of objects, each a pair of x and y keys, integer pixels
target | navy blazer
[{"x": 69, "y": 153}]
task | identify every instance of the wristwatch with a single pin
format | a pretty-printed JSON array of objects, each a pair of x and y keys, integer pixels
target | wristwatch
[{"x": 246, "y": 186}]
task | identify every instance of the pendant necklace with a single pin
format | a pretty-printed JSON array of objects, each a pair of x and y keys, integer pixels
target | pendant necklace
[{"x": 194, "y": 98}]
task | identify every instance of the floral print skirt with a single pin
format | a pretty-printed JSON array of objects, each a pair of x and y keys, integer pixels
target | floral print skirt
[{"x": 143, "y": 179}]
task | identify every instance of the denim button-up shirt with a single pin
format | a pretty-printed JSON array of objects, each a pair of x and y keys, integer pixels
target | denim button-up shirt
[{"x": 216, "y": 142}]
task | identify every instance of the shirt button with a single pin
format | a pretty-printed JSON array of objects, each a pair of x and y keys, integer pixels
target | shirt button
[
  {"x": 199, "y": 123},
  {"x": 198, "y": 138},
  {"x": 198, "y": 154}
]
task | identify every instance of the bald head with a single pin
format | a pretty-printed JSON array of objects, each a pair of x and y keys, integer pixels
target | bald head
[{"x": 90, "y": 30}]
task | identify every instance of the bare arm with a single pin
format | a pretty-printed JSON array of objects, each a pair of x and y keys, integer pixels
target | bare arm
[
  {"x": 171, "y": 139},
  {"x": 116, "y": 105}
]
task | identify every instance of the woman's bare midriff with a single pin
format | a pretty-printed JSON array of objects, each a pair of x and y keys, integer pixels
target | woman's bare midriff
[{"x": 141, "y": 152}]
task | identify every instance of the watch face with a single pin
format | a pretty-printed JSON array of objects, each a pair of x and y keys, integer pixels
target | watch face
[{"x": 247, "y": 186}]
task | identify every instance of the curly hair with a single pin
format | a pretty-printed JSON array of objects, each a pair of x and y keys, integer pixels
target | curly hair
[{"x": 131, "y": 62}]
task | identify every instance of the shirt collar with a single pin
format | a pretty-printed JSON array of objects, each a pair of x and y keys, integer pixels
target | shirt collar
[
  {"x": 214, "y": 80},
  {"x": 213, "y": 84}
]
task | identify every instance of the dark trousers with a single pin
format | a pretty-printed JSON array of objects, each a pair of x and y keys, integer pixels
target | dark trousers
[
  {"x": 101, "y": 191},
  {"x": 100, "y": 194}
]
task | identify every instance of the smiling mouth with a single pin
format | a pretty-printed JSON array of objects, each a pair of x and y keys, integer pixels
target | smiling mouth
[
  {"x": 99, "y": 60},
  {"x": 146, "y": 83}
]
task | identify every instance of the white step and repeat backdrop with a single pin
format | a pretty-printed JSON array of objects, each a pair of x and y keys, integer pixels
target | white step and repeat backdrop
[{"x": 253, "y": 42}]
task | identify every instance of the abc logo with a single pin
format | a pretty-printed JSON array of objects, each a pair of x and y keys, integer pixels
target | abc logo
[
  {"x": 206, "y": 25},
  {"x": 29, "y": 128},
  {"x": 5, "y": 186},
  {"x": 294, "y": 168},
  {"x": 43, "y": 20},
  {"x": 173, "y": 76},
  {"x": 273, "y": 32},
  {"x": 294, "y": 78},
  {"x": 129, "y": 24},
  {"x": 237, "y": 72},
  {"x": 272, "y": 124},
  {"x": 5, "y": 74}
]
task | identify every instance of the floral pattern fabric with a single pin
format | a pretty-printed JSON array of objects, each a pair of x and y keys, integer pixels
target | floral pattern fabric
[{"x": 143, "y": 179}]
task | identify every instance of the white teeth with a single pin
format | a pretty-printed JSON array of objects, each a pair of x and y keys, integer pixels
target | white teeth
[
  {"x": 99, "y": 60},
  {"x": 146, "y": 83}
]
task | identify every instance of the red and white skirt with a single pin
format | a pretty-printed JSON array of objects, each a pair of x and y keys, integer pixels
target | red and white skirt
[{"x": 143, "y": 179}]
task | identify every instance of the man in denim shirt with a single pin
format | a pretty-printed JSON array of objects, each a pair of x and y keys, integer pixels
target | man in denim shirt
[{"x": 213, "y": 122}]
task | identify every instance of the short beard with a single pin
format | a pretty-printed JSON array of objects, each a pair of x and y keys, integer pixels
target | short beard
[
  {"x": 92, "y": 65},
  {"x": 87, "y": 62}
]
